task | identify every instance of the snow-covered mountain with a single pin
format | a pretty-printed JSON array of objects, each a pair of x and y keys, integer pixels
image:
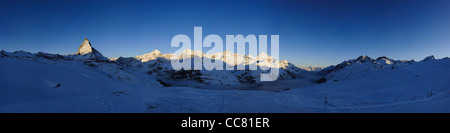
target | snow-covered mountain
[
  {"x": 88, "y": 52},
  {"x": 150, "y": 56},
  {"x": 365, "y": 65},
  {"x": 261, "y": 60},
  {"x": 311, "y": 68}
]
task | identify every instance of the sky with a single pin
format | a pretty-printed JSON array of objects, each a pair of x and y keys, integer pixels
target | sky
[{"x": 311, "y": 32}]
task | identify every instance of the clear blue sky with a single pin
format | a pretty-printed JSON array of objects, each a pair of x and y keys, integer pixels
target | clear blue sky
[{"x": 312, "y": 33}]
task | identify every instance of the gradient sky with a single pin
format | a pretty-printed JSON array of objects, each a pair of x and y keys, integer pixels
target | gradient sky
[{"x": 312, "y": 32}]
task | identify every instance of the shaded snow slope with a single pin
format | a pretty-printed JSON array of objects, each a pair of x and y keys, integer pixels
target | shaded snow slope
[{"x": 29, "y": 80}]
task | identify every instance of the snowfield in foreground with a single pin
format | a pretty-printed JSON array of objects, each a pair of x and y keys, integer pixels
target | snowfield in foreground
[{"x": 29, "y": 86}]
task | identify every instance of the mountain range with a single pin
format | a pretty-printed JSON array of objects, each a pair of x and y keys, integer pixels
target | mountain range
[{"x": 86, "y": 81}]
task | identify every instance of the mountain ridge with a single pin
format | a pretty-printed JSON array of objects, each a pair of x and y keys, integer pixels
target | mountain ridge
[{"x": 159, "y": 65}]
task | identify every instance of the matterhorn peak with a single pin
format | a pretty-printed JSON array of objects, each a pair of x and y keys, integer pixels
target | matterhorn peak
[{"x": 86, "y": 48}]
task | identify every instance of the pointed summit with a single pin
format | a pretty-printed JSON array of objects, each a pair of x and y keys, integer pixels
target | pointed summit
[
  {"x": 363, "y": 59},
  {"x": 86, "y": 48}
]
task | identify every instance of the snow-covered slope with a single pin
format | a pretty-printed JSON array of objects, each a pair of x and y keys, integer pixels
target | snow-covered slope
[
  {"x": 89, "y": 52},
  {"x": 89, "y": 83},
  {"x": 379, "y": 85},
  {"x": 30, "y": 84}
]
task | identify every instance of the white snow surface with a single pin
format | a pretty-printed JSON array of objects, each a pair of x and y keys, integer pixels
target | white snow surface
[{"x": 28, "y": 84}]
